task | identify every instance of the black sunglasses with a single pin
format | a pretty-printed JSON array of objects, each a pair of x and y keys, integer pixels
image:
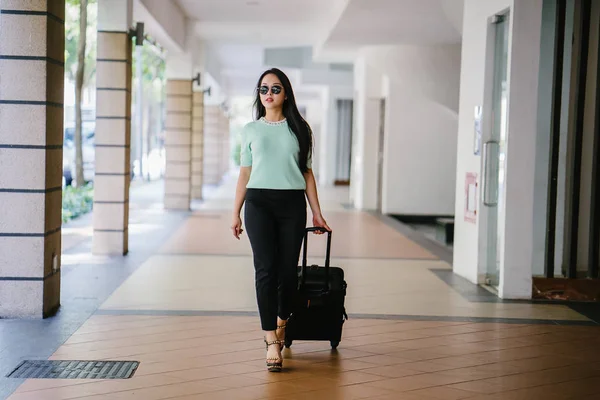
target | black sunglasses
[{"x": 275, "y": 89}]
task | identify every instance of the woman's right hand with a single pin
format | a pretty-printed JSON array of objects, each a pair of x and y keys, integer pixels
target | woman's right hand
[{"x": 236, "y": 227}]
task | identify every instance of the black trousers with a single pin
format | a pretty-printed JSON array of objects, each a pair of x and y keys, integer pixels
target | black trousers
[{"x": 275, "y": 222}]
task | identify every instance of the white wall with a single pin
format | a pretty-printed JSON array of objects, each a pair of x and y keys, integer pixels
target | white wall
[
  {"x": 518, "y": 200},
  {"x": 217, "y": 95},
  {"x": 328, "y": 77},
  {"x": 212, "y": 76},
  {"x": 317, "y": 119},
  {"x": 421, "y": 125}
]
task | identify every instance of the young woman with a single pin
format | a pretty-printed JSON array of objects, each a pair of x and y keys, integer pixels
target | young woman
[{"x": 275, "y": 175}]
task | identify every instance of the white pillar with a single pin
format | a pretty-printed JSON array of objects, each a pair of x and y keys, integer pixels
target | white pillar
[
  {"x": 327, "y": 141},
  {"x": 113, "y": 128},
  {"x": 363, "y": 180},
  {"x": 224, "y": 137},
  {"x": 212, "y": 145},
  {"x": 517, "y": 249},
  {"x": 178, "y": 126}
]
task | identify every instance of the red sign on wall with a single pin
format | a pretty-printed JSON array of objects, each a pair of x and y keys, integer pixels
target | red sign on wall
[{"x": 471, "y": 197}]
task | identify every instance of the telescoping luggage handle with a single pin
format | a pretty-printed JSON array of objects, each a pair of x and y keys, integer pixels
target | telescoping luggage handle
[{"x": 327, "y": 254}]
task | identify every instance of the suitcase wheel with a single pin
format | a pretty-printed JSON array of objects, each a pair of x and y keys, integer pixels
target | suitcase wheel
[
  {"x": 334, "y": 344},
  {"x": 288, "y": 343}
]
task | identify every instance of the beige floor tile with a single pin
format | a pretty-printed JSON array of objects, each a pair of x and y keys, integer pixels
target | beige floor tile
[
  {"x": 386, "y": 272},
  {"x": 356, "y": 235},
  {"x": 168, "y": 282}
]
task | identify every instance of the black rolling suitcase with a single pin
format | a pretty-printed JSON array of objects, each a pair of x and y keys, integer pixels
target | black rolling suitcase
[{"x": 319, "y": 311}]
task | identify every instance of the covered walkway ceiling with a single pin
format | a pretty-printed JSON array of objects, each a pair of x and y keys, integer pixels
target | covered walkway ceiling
[
  {"x": 391, "y": 22},
  {"x": 289, "y": 23},
  {"x": 236, "y": 34}
]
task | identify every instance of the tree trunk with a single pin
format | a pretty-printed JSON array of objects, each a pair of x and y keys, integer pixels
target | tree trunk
[{"x": 79, "y": 181}]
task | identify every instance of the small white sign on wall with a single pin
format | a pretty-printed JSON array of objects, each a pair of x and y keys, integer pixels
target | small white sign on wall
[{"x": 471, "y": 197}]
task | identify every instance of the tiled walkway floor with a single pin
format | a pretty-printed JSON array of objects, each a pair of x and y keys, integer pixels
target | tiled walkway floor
[
  {"x": 188, "y": 314},
  {"x": 221, "y": 358}
]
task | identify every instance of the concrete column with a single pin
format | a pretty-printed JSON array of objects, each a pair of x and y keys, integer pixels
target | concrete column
[
  {"x": 197, "y": 144},
  {"x": 323, "y": 162},
  {"x": 517, "y": 245},
  {"x": 224, "y": 137},
  {"x": 178, "y": 143},
  {"x": 31, "y": 138},
  {"x": 113, "y": 128},
  {"x": 365, "y": 141},
  {"x": 212, "y": 149},
  {"x": 178, "y": 126}
]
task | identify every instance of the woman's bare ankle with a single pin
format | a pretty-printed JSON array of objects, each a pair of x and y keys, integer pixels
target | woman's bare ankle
[
  {"x": 281, "y": 323},
  {"x": 270, "y": 336}
]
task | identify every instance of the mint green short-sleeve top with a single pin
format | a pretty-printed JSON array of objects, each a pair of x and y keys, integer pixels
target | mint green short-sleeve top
[{"x": 271, "y": 149}]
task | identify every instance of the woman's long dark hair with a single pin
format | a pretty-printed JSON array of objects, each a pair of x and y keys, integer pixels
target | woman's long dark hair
[{"x": 297, "y": 124}]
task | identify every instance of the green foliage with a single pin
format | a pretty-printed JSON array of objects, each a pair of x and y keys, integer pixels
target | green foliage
[
  {"x": 72, "y": 37},
  {"x": 153, "y": 63},
  {"x": 153, "y": 95},
  {"x": 76, "y": 201}
]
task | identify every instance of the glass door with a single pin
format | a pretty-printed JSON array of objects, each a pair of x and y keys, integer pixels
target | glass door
[{"x": 495, "y": 152}]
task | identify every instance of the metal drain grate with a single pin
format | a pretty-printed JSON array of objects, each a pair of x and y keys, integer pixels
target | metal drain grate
[{"x": 68, "y": 369}]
